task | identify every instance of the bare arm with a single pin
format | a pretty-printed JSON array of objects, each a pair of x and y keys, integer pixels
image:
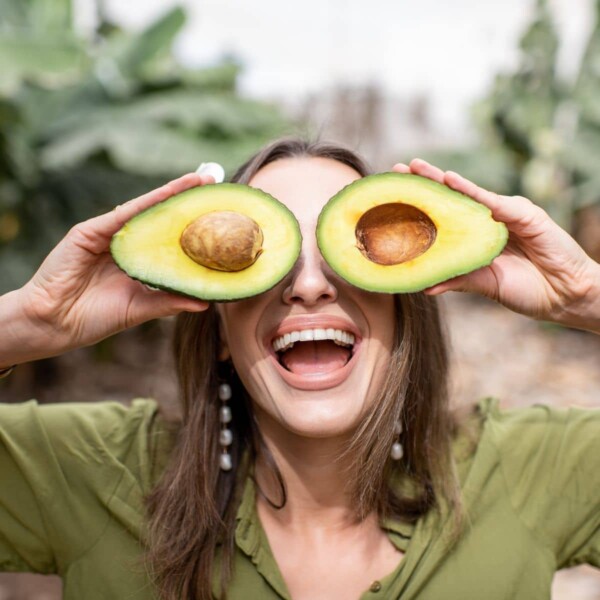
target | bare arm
[{"x": 79, "y": 296}]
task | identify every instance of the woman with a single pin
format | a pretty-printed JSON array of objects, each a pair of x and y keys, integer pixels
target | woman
[{"x": 350, "y": 478}]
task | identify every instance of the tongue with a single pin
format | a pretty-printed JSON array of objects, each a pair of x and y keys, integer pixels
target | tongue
[{"x": 315, "y": 357}]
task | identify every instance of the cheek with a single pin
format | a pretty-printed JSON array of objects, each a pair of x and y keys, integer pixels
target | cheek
[
  {"x": 238, "y": 322},
  {"x": 380, "y": 311}
]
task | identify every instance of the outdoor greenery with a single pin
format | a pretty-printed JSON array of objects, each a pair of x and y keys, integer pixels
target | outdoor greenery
[
  {"x": 539, "y": 135},
  {"x": 88, "y": 123}
]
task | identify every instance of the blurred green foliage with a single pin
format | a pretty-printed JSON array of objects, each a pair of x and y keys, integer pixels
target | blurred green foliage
[
  {"x": 539, "y": 136},
  {"x": 86, "y": 124}
]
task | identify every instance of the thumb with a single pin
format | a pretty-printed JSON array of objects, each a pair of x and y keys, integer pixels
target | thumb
[
  {"x": 153, "y": 304},
  {"x": 481, "y": 282}
]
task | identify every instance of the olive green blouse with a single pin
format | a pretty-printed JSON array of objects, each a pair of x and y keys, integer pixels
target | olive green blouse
[{"x": 72, "y": 478}]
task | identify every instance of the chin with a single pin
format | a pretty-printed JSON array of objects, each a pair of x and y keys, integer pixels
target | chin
[{"x": 317, "y": 417}]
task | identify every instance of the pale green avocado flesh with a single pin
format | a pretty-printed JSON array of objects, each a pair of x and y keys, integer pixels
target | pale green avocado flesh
[
  {"x": 148, "y": 246},
  {"x": 400, "y": 233}
]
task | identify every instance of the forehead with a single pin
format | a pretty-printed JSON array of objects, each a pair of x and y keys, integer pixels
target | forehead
[{"x": 304, "y": 184}]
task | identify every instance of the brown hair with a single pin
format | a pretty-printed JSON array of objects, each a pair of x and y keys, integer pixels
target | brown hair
[{"x": 192, "y": 510}]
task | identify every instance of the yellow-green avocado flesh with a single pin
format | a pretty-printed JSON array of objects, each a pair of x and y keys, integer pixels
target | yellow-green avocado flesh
[
  {"x": 461, "y": 235},
  {"x": 148, "y": 246}
]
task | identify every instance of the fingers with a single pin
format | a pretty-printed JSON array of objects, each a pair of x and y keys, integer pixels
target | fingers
[
  {"x": 150, "y": 304},
  {"x": 515, "y": 211},
  {"x": 105, "y": 226},
  {"x": 421, "y": 167},
  {"x": 493, "y": 201},
  {"x": 481, "y": 281},
  {"x": 126, "y": 211},
  {"x": 401, "y": 168},
  {"x": 456, "y": 284},
  {"x": 520, "y": 214}
]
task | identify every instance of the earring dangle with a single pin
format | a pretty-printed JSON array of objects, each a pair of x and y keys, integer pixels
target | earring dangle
[
  {"x": 397, "y": 451},
  {"x": 225, "y": 434}
]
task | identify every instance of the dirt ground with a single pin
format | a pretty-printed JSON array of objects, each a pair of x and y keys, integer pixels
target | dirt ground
[{"x": 495, "y": 353}]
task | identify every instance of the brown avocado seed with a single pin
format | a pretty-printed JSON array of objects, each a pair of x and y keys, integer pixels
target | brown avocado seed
[
  {"x": 223, "y": 240},
  {"x": 394, "y": 233}
]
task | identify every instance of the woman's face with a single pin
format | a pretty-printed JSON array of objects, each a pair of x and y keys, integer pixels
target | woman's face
[{"x": 317, "y": 388}]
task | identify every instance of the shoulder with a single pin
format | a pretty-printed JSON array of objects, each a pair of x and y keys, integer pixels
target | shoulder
[
  {"x": 103, "y": 433},
  {"x": 67, "y": 423},
  {"x": 536, "y": 444},
  {"x": 549, "y": 461},
  {"x": 540, "y": 451},
  {"x": 538, "y": 424},
  {"x": 489, "y": 409},
  {"x": 72, "y": 470}
]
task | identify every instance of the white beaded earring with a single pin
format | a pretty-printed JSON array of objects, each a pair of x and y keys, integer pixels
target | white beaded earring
[
  {"x": 397, "y": 451},
  {"x": 225, "y": 434}
]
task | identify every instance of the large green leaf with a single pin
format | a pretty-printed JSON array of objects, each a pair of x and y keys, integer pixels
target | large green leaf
[
  {"x": 218, "y": 78},
  {"x": 21, "y": 159},
  {"x": 142, "y": 147},
  {"x": 206, "y": 114},
  {"x": 155, "y": 40},
  {"x": 50, "y": 58},
  {"x": 75, "y": 148},
  {"x": 41, "y": 108},
  {"x": 39, "y": 15},
  {"x": 47, "y": 16},
  {"x": 84, "y": 127},
  {"x": 539, "y": 46}
]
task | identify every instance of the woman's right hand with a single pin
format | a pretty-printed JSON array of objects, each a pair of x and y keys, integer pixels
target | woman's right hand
[{"x": 79, "y": 296}]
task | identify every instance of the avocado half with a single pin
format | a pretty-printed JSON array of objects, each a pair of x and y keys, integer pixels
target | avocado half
[
  {"x": 396, "y": 232},
  {"x": 246, "y": 242}
]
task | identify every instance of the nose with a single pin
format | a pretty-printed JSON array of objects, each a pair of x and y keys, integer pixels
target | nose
[{"x": 309, "y": 285}]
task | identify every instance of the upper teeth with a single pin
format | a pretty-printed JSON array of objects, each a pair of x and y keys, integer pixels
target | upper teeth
[{"x": 285, "y": 342}]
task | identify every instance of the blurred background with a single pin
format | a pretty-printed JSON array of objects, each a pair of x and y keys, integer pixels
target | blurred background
[{"x": 101, "y": 100}]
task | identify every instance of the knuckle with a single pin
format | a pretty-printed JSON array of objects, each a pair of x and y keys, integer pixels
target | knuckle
[
  {"x": 523, "y": 200},
  {"x": 120, "y": 207},
  {"x": 83, "y": 237},
  {"x": 168, "y": 189},
  {"x": 77, "y": 233},
  {"x": 536, "y": 216}
]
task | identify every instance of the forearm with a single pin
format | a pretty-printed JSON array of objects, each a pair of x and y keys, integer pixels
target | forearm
[{"x": 22, "y": 339}]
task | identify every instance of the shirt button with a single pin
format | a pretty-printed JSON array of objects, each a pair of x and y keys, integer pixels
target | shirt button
[{"x": 375, "y": 586}]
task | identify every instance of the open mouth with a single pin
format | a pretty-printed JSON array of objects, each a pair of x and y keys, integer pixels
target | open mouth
[{"x": 314, "y": 351}]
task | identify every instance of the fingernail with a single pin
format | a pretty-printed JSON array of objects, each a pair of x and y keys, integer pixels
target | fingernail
[{"x": 212, "y": 168}]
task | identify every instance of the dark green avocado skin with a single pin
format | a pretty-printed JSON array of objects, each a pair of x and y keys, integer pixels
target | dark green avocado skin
[{"x": 178, "y": 293}]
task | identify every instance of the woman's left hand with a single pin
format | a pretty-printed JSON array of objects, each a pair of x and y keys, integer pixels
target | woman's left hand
[{"x": 542, "y": 272}]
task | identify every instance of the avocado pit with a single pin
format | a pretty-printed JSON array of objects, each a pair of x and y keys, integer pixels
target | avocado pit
[
  {"x": 394, "y": 233},
  {"x": 223, "y": 240}
]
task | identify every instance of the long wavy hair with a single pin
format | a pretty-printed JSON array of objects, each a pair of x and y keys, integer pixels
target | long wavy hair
[{"x": 191, "y": 513}]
